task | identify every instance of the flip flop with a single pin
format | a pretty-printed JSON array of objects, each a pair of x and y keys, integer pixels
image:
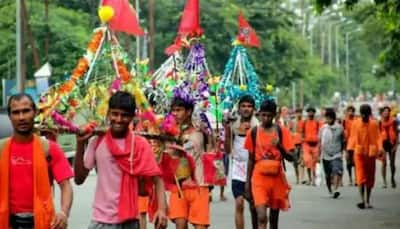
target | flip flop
[
  {"x": 336, "y": 195},
  {"x": 361, "y": 205}
]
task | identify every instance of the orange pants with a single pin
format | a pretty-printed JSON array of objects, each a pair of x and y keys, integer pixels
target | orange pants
[
  {"x": 193, "y": 206},
  {"x": 310, "y": 156},
  {"x": 143, "y": 204},
  {"x": 365, "y": 169},
  {"x": 270, "y": 191}
]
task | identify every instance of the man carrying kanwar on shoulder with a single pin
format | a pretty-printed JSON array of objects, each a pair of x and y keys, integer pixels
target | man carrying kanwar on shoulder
[
  {"x": 235, "y": 134},
  {"x": 389, "y": 134},
  {"x": 310, "y": 145},
  {"x": 26, "y": 162},
  {"x": 266, "y": 184},
  {"x": 347, "y": 122},
  {"x": 366, "y": 143},
  {"x": 121, "y": 158},
  {"x": 331, "y": 144},
  {"x": 190, "y": 203}
]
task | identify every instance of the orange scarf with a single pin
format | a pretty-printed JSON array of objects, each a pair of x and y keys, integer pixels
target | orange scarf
[
  {"x": 388, "y": 130},
  {"x": 43, "y": 208}
]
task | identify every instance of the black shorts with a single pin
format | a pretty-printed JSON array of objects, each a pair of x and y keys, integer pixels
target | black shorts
[
  {"x": 238, "y": 188},
  {"x": 387, "y": 146}
]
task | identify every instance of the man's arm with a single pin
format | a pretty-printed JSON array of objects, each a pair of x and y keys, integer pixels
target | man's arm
[
  {"x": 161, "y": 219},
  {"x": 228, "y": 138},
  {"x": 60, "y": 220},
  {"x": 250, "y": 168},
  {"x": 81, "y": 172},
  {"x": 66, "y": 196}
]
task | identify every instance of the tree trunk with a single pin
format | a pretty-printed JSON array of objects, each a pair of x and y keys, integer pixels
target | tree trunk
[{"x": 27, "y": 28}]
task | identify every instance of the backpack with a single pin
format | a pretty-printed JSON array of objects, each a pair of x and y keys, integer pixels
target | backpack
[{"x": 284, "y": 154}]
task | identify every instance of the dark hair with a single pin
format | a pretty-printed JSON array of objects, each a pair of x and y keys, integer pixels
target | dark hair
[
  {"x": 268, "y": 106},
  {"x": 365, "y": 109},
  {"x": 311, "y": 109},
  {"x": 298, "y": 110},
  {"x": 330, "y": 113},
  {"x": 386, "y": 108},
  {"x": 247, "y": 99},
  {"x": 352, "y": 108},
  {"x": 18, "y": 97},
  {"x": 178, "y": 102},
  {"x": 124, "y": 101}
]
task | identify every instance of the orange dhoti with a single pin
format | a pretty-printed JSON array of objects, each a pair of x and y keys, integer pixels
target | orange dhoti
[
  {"x": 270, "y": 191},
  {"x": 310, "y": 155},
  {"x": 193, "y": 206},
  {"x": 365, "y": 169},
  {"x": 143, "y": 204}
]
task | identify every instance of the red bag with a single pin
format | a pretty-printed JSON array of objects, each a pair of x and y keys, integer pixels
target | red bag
[{"x": 213, "y": 168}]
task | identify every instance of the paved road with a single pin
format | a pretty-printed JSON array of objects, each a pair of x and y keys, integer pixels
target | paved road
[{"x": 311, "y": 208}]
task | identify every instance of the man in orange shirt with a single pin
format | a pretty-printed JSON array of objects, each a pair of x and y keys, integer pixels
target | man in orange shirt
[
  {"x": 297, "y": 130},
  {"x": 388, "y": 129},
  {"x": 366, "y": 144},
  {"x": 266, "y": 183},
  {"x": 350, "y": 117},
  {"x": 310, "y": 145}
]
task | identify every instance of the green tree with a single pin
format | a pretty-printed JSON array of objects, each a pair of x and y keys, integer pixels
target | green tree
[{"x": 68, "y": 32}]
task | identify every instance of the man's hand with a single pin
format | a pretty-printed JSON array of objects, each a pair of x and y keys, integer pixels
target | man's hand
[
  {"x": 160, "y": 219},
  {"x": 381, "y": 153},
  {"x": 247, "y": 192},
  {"x": 86, "y": 132},
  {"x": 60, "y": 221}
]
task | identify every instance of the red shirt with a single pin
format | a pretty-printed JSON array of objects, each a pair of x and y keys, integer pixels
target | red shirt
[{"x": 21, "y": 173}]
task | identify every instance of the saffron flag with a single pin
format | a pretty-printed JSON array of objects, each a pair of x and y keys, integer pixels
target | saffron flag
[
  {"x": 125, "y": 17},
  {"x": 247, "y": 35},
  {"x": 190, "y": 22}
]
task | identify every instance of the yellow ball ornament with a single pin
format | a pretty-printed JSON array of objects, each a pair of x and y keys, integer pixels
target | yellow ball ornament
[
  {"x": 269, "y": 88},
  {"x": 106, "y": 13},
  {"x": 243, "y": 87}
]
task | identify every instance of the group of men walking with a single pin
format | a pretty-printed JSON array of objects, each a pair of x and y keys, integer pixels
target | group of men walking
[{"x": 134, "y": 173}]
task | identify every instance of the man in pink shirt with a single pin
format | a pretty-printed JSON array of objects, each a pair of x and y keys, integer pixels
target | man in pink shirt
[{"x": 120, "y": 158}]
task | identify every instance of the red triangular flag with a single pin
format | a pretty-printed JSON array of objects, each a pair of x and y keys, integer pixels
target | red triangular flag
[
  {"x": 247, "y": 35},
  {"x": 190, "y": 22},
  {"x": 125, "y": 17}
]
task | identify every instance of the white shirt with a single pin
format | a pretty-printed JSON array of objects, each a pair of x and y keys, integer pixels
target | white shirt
[{"x": 240, "y": 157}]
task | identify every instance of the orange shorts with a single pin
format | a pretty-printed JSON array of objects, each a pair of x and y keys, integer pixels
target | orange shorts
[
  {"x": 310, "y": 156},
  {"x": 365, "y": 170},
  {"x": 143, "y": 204},
  {"x": 271, "y": 191},
  {"x": 194, "y": 206}
]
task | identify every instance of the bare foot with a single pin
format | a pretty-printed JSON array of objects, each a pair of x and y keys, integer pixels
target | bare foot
[{"x": 223, "y": 198}]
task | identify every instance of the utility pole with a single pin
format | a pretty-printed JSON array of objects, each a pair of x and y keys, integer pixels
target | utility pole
[
  {"x": 151, "y": 33},
  {"x": 137, "y": 6},
  {"x": 20, "y": 51},
  {"x": 347, "y": 65},
  {"x": 47, "y": 39}
]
